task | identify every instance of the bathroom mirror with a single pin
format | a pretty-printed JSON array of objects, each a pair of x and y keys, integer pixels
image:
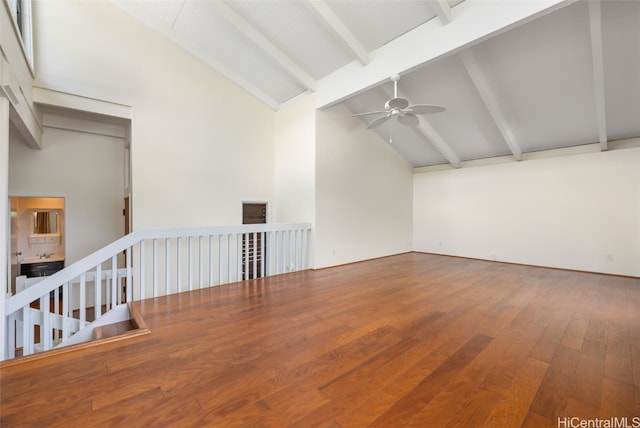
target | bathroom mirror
[{"x": 45, "y": 222}]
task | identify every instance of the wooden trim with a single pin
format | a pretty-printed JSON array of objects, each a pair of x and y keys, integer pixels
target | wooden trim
[{"x": 136, "y": 318}]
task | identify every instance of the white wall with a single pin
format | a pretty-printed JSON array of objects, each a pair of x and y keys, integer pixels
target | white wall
[
  {"x": 363, "y": 193},
  {"x": 577, "y": 212},
  {"x": 88, "y": 171},
  {"x": 200, "y": 145},
  {"x": 295, "y": 158}
]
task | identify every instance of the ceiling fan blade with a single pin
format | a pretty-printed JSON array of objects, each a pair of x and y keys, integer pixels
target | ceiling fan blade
[
  {"x": 397, "y": 102},
  {"x": 424, "y": 109},
  {"x": 408, "y": 119},
  {"x": 367, "y": 113},
  {"x": 378, "y": 120}
]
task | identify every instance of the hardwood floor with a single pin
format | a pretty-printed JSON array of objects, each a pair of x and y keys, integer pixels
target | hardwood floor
[{"x": 408, "y": 340}]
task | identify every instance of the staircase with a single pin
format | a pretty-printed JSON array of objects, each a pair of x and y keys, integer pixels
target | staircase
[
  {"x": 113, "y": 330},
  {"x": 92, "y": 298}
]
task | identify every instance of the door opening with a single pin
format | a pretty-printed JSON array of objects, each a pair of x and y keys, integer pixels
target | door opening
[
  {"x": 254, "y": 245},
  {"x": 37, "y": 237}
]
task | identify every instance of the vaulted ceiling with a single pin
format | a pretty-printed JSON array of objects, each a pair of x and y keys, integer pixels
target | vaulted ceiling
[{"x": 515, "y": 76}]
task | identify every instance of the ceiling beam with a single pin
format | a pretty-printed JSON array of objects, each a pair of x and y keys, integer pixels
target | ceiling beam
[
  {"x": 595, "y": 24},
  {"x": 431, "y": 135},
  {"x": 438, "y": 142},
  {"x": 475, "y": 22},
  {"x": 442, "y": 9},
  {"x": 486, "y": 93},
  {"x": 244, "y": 27},
  {"x": 185, "y": 44},
  {"x": 322, "y": 10}
]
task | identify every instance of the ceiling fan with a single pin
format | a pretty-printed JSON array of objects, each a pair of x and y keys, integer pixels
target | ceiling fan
[{"x": 400, "y": 108}]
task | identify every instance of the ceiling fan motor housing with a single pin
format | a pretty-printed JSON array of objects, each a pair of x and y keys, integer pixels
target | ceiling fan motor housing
[{"x": 396, "y": 103}]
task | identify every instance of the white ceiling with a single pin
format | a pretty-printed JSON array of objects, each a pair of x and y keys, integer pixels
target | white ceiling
[{"x": 515, "y": 76}]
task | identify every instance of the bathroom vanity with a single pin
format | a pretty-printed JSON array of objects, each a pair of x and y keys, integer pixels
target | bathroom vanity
[{"x": 35, "y": 266}]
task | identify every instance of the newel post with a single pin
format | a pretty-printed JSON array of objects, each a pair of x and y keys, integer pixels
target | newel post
[{"x": 4, "y": 219}]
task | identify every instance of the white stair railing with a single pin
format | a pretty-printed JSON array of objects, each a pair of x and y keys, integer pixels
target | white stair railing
[{"x": 145, "y": 264}]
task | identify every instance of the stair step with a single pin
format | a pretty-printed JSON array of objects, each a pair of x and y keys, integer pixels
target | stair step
[{"x": 112, "y": 330}]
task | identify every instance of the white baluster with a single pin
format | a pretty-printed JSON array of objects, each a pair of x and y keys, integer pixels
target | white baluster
[
  {"x": 190, "y": 262},
  {"x": 284, "y": 252},
  {"x": 238, "y": 257},
  {"x": 143, "y": 269},
  {"x": 274, "y": 253},
  {"x": 267, "y": 255},
  {"x": 229, "y": 263},
  {"x": 56, "y": 300},
  {"x": 201, "y": 261},
  {"x": 292, "y": 251},
  {"x": 297, "y": 250},
  {"x": 167, "y": 265},
  {"x": 97, "y": 285},
  {"x": 56, "y": 303},
  {"x": 83, "y": 300},
  {"x": 305, "y": 243},
  {"x": 155, "y": 268},
  {"x": 283, "y": 268},
  {"x": 263, "y": 237},
  {"x": 211, "y": 265},
  {"x": 254, "y": 243},
  {"x": 10, "y": 349},
  {"x": 45, "y": 327},
  {"x": 65, "y": 310},
  {"x": 27, "y": 331},
  {"x": 273, "y": 244},
  {"x": 115, "y": 300},
  {"x": 129, "y": 279},
  {"x": 179, "y": 264}
]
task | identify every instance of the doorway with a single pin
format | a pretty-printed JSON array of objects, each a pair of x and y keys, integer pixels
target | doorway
[
  {"x": 253, "y": 244},
  {"x": 37, "y": 237}
]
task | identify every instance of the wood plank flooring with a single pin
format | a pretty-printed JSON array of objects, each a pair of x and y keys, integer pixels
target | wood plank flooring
[{"x": 407, "y": 340}]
